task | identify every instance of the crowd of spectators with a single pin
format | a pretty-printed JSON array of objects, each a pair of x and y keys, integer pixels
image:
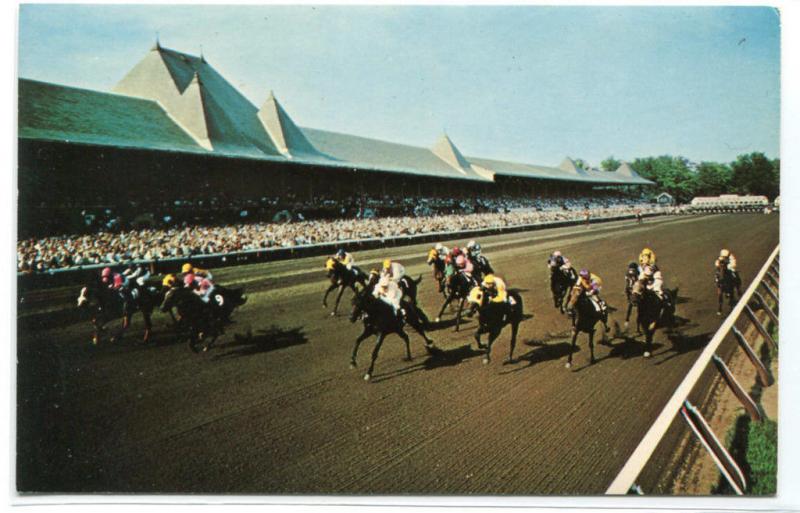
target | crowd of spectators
[{"x": 111, "y": 243}]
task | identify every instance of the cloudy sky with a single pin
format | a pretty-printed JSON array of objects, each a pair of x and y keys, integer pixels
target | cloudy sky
[{"x": 524, "y": 83}]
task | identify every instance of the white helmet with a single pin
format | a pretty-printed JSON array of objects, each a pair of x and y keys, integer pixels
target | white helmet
[
  {"x": 471, "y": 244},
  {"x": 439, "y": 246},
  {"x": 724, "y": 253},
  {"x": 556, "y": 253}
]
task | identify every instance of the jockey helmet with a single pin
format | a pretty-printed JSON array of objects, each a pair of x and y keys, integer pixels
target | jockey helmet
[
  {"x": 188, "y": 280},
  {"x": 373, "y": 271},
  {"x": 456, "y": 251},
  {"x": 489, "y": 280},
  {"x": 106, "y": 272},
  {"x": 470, "y": 244},
  {"x": 340, "y": 253},
  {"x": 476, "y": 248},
  {"x": 438, "y": 246},
  {"x": 633, "y": 265},
  {"x": 724, "y": 253},
  {"x": 169, "y": 280},
  {"x": 187, "y": 268},
  {"x": 387, "y": 263},
  {"x": 584, "y": 273},
  {"x": 556, "y": 254}
]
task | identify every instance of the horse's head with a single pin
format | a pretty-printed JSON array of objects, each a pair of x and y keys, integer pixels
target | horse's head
[
  {"x": 477, "y": 296},
  {"x": 332, "y": 267},
  {"x": 574, "y": 296},
  {"x": 170, "y": 299},
  {"x": 637, "y": 291},
  {"x": 359, "y": 303}
]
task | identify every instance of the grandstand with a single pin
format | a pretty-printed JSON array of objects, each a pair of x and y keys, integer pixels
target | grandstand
[{"x": 173, "y": 130}]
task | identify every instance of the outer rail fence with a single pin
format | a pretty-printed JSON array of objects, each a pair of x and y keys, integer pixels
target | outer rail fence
[
  {"x": 79, "y": 274},
  {"x": 625, "y": 482}
]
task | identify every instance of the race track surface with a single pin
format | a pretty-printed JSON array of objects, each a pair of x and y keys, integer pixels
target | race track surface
[{"x": 275, "y": 409}]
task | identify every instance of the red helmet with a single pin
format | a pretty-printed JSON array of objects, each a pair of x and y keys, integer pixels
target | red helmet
[
  {"x": 106, "y": 272},
  {"x": 456, "y": 251},
  {"x": 188, "y": 280}
]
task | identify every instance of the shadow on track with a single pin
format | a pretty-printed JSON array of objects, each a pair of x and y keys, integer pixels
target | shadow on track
[
  {"x": 682, "y": 345},
  {"x": 544, "y": 352},
  {"x": 447, "y": 323},
  {"x": 263, "y": 341},
  {"x": 437, "y": 359}
]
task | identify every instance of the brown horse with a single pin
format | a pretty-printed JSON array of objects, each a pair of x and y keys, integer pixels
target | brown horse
[{"x": 585, "y": 316}]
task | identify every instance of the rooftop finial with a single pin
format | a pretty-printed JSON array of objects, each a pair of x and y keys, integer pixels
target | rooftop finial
[
  {"x": 202, "y": 58},
  {"x": 157, "y": 46}
]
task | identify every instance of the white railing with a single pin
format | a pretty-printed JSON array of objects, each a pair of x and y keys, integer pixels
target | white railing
[{"x": 626, "y": 478}]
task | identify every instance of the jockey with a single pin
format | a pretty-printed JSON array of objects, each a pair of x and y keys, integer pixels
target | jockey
[
  {"x": 438, "y": 252},
  {"x": 118, "y": 283},
  {"x": 647, "y": 258},
  {"x": 464, "y": 265},
  {"x": 139, "y": 275},
  {"x": 394, "y": 270},
  {"x": 729, "y": 259},
  {"x": 345, "y": 258},
  {"x": 389, "y": 292},
  {"x": 190, "y": 269},
  {"x": 653, "y": 280},
  {"x": 495, "y": 289},
  {"x": 169, "y": 281},
  {"x": 591, "y": 284},
  {"x": 563, "y": 264}
]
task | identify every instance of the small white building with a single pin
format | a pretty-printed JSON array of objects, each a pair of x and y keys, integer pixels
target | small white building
[{"x": 665, "y": 199}]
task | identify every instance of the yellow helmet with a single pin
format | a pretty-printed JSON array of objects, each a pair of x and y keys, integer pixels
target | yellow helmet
[
  {"x": 724, "y": 253},
  {"x": 387, "y": 263},
  {"x": 489, "y": 279},
  {"x": 168, "y": 281},
  {"x": 187, "y": 267}
]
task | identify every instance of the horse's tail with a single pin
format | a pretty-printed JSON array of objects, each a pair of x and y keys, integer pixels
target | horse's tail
[{"x": 419, "y": 279}]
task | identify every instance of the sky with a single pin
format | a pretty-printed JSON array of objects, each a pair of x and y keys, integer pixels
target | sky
[{"x": 524, "y": 83}]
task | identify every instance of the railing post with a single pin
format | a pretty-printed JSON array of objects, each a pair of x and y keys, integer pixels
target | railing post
[
  {"x": 761, "y": 369},
  {"x": 765, "y": 307},
  {"x": 761, "y": 329},
  {"x": 736, "y": 388},
  {"x": 722, "y": 458},
  {"x": 771, "y": 292}
]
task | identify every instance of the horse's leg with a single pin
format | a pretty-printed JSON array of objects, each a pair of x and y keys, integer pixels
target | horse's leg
[
  {"x": 148, "y": 325},
  {"x": 480, "y": 331},
  {"x": 407, "y": 341},
  {"x": 364, "y": 334},
  {"x": 458, "y": 315},
  {"x": 338, "y": 298},
  {"x": 719, "y": 300},
  {"x": 126, "y": 321},
  {"x": 628, "y": 314},
  {"x": 417, "y": 325},
  {"x": 572, "y": 349},
  {"x": 375, "y": 352},
  {"x": 591, "y": 347},
  {"x": 493, "y": 334},
  {"x": 514, "y": 330},
  {"x": 325, "y": 297},
  {"x": 95, "y": 331},
  {"x": 441, "y": 311}
]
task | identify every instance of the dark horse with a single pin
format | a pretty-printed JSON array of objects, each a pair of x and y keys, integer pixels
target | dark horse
[
  {"x": 106, "y": 305},
  {"x": 343, "y": 278},
  {"x": 458, "y": 288},
  {"x": 631, "y": 277},
  {"x": 380, "y": 320},
  {"x": 560, "y": 282},
  {"x": 437, "y": 264},
  {"x": 585, "y": 316},
  {"x": 653, "y": 312},
  {"x": 199, "y": 319},
  {"x": 728, "y": 286},
  {"x": 493, "y": 317}
]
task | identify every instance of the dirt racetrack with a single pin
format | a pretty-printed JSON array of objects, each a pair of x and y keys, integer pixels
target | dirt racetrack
[{"x": 275, "y": 409}]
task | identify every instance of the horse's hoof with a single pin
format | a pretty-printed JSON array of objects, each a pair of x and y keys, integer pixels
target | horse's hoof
[
  {"x": 367, "y": 377},
  {"x": 408, "y": 359},
  {"x": 205, "y": 349},
  {"x": 719, "y": 314},
  {"x": 333, "y": 314},
  {"x": 438, "y": 319},
  {"x": 647, "y": 354},
  {"x": 568, "y": 365}
]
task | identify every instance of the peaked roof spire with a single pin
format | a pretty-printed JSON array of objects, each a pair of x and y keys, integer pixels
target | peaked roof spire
[
  {"x": 285, "y": 134},
  {"x": 157, "y": 46}
]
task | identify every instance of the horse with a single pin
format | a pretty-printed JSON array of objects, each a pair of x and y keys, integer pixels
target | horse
[
  {"x": 437, "y": 266},
  {"x": 458, "y": 287},
  {"x": 560, "y": 282},
  {"x": 341, "y": 277},
  {"x": 493, "y": 317},
  {"x": 584, "y": 318},
  {"x": 380, "y": 320},
  {"x": 631, "y": 277},
  {"x": 481, "y": 267},
  {"x": 727, "y": 287},
  {"x": 231, "y": 298},
  {"x": 107, "y": 304},
  {"x": 653, "y": 312},
  {"x": 198, "y": 318}
]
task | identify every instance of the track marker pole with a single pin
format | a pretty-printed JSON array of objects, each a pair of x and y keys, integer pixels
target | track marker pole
[
  {"x": 738, "y": 391},
  {"x": 761, "y": 369},
  {"x": 765, "y": 307},
  {"x": 760, "y": 327}
]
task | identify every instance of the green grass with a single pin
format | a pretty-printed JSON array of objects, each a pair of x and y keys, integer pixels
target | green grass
[{"x": 762, "y": 456}]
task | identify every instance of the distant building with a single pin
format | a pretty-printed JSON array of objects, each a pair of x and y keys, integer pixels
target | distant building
[{"x": 665, "y": 198}]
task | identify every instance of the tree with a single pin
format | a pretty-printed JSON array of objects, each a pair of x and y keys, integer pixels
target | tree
[
  {"x": 754, "y": 173},
  {"x": 671, "y": 174},
  {"x": 610, "y": 164},
  {"x": 713, "y": 179},
  {"x": 582, "y": 164}
]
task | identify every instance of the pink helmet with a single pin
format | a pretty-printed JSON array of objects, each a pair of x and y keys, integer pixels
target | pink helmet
[
  {"x": 117, "y": 280},
  {"x": 106, "y": 272},
  {"x": 556, "y": 253},
  {"x": 584, "y": 273},
  {"x": 205, "y": 284},
  {"x": 188, "y": 280},
  {"x": 461, "y": 261}
]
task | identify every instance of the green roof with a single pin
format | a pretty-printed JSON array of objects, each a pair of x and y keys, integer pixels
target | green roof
[
  {"x": 177, "y": 102},
  {"x": 59, "y": 113}
]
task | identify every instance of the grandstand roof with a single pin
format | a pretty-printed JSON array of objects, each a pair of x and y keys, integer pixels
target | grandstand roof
[{"x": 178, "y": 102}]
